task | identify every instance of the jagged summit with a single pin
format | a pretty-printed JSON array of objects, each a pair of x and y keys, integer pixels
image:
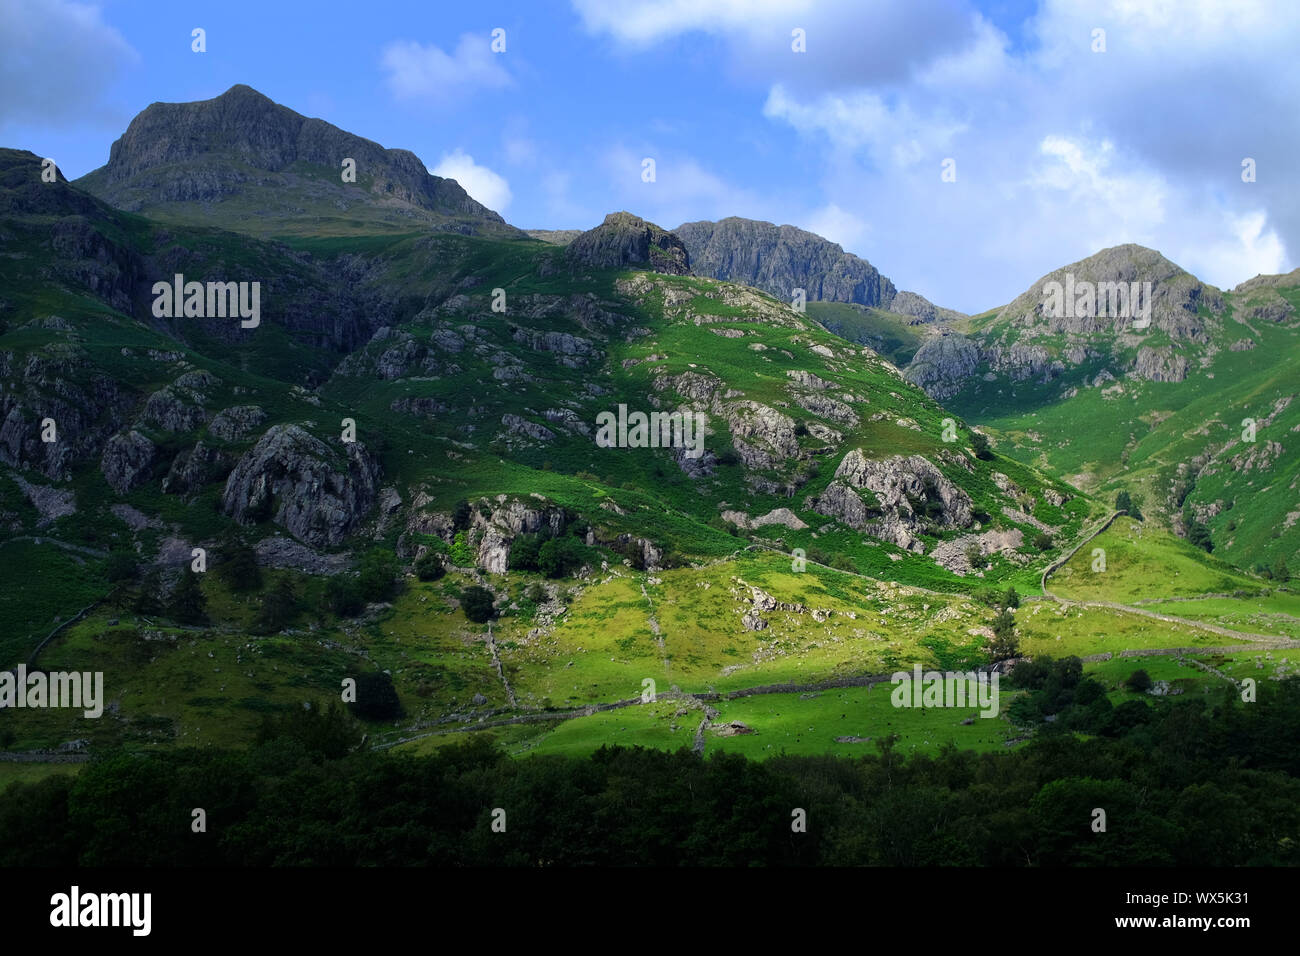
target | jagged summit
[
  {"x": 626, "y": 240},
  {"x": 244, "y": 162}
]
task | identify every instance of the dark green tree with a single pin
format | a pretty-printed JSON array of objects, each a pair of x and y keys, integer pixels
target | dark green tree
[
  {"x": 1139, "y": 681},
  {"x": 429, "y": 566},
  {"x": 377, "y": 697},
  {"x": 377, "y": 574},
  {"x": 279, "y": 607},
  {"x": 187, "y": 604},
  {"x": 240, "y": 571},
  {"x": 477, "y": 602},
  {"x": 121, "y": 566},
  {"x": 1005, "y": 644},
  {"x": 1011, "y": 598},
  {"x": 981, "y": 445}
]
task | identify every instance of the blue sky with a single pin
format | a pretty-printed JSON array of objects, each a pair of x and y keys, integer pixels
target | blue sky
[{"x": 1059, "y": 149}]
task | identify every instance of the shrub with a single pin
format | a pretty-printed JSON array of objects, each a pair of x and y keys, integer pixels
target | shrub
[
  {"x": 477, "y": 603},
  {"x": 279, "y": 608},
  {"x": 377, "y": 697},
  {"x": 1139, "y": 681},
  {"x": 186, "y": 603},
  {"x": 377, "y": 577},
  {"x": 1043, "y": 541},
  {"x": 429, "y": 567},
  {"x": 1011, "y": 598},
  {"x": 241, "y": 572},
  {"x": 343, "y": 597}
]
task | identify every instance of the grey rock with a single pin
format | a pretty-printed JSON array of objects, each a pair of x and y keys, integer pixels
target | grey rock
[
  {"x": 627, "y": 241},
  {"x": 127, "y": 461},
  {"x": 318, "y": 494}
]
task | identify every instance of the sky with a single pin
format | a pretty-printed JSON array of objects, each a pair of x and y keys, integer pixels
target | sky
[{"x": 964, "y": 148}]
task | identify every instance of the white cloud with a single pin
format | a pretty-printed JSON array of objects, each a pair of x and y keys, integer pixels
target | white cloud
[
  {"x": 484, "y": 185},
  {"x": 638, "y": 22},
  {"x": 56, "y": 58},
  {"x": 838, "y": 225},
  {"x": 426, "y": 72}
]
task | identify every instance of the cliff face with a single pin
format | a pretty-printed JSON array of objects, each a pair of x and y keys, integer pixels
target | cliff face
[
  {"x": 627, "y": 240},
  {"x": 244, "y": 150},
  {"x": 779, "y": 259}
]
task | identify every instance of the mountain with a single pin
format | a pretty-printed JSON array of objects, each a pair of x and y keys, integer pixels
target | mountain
[
  {"x": 780, "y": 259},
  {"x": 1158, "y": 398},
  {"x": 245, "y": 163},
  {"x": 627, "y": 240}
]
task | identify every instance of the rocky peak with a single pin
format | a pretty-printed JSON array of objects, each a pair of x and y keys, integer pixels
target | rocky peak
[
  {"x": 624, "y": 240},
  {"x": 779, "y": 259},
  {"x": 241, "y": 142}
]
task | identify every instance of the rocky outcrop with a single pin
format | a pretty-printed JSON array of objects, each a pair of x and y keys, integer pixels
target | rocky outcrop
[
  {"x": 943, "y": 364},
  {"x": 780, "y": 259},
  {"x": 626, "y": 241},
  {"x": 317, "y": 493},
  {"x": 127, "y": 461},
  {"x": 193, "y": 469},
  {"x": 237, "y": 422},
  {"x": 523, "y": 427},
  {"x": 905, "y": 494},
  {"x": 1160, "y": 365},
  {"x": 241, "y": 145}
]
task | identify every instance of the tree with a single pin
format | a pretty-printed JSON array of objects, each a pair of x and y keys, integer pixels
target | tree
[
  {"x": 975, "y": 555},
  {"x": 1139, "y": 681},
  {"x": 278, "y": 608},
  {"x": 558, "y": 556},
  {"x": 1004, "y": 645},
  {"x": 186, "y": 603},
  {"x": 1280, "y": 570},
  {"x": 477, "y": 603},
  {"x": 1043, "y": 541},
  {"x": 241, "y": 571},
  {"x": 121, "y": 566},
  {"x": 377, "y": 577},
  {"x": 981, "y": 445},
  {"x": 148, "y": 602},
  {"x": 343, "y": 597},
  {"x": 1124, "y": 502},
  {"x": 460, "y": 515},
  {"x": 377, "y": 697},
  {"x": 1011, "y": 598},
  {"x": 1199, "y": 535},
  {"x": 429, "y": 567}
]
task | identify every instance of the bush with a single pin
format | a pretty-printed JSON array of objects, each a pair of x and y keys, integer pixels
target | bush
[
  {"x": 1043, "y": 541},
  {"x": 535, "y": 592},
  {"x": 477, "y": 603},
  {"x": 981, "y": 446},
  {"x": 186, "y": 604},
  {"x": 1139, "y": 681},
  {"x": 241, "y": 572},
  {"x": 523, "y": 552},
  {"x": 429, "y": 567},
  {"x": 460, "y": 515},
  {"x": 343, "y": 597},
  {"x": 1011, "y": 598},
  {"x": 121, "y": 566},
  {"x": 278, "y": 610},
  {"x": 975, "y": 555},
  {"x": 377, "y": 578},
  {"x": 1199, "y": 535},
  {"x": 377, "y": 697},
  {"x": 1004, "y": 645}
]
